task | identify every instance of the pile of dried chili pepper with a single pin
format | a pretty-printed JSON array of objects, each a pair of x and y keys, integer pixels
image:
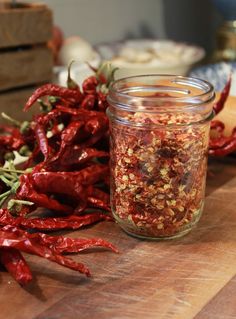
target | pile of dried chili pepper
[{"x": 66, "y": 172}]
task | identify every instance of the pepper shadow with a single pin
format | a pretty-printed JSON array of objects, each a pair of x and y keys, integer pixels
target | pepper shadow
[{"x": 36, "y": 287}]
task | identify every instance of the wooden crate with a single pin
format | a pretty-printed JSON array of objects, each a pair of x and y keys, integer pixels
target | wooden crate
[
  {"x": 25, "y": 60},
  {"x": 25, "y": 67},
  {"x": 24, "y": 25}
]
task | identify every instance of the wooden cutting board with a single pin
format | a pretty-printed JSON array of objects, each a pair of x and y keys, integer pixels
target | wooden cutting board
[{"x": 191, "y": 277}]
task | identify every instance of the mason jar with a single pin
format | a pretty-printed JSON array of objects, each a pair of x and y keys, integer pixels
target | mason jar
[{"x": 159, "y": 133}]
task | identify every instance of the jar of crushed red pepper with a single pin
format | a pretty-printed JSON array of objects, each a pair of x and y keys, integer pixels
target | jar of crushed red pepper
[{"x": 159, "y": 126}]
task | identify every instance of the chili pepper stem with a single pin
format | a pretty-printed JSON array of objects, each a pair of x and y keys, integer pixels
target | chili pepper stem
[
  {"x": 14, "y": 203},
  {"x": 10, "y": 119},
  {"x": 71, "y": 84},
  {"x": 6, "y": 181},
  {"x": 9, "y": 176},
  {"x": 3, "y": 195},
  {"x": 8, "y": 170},
  {"x": 21, "y": 202}
]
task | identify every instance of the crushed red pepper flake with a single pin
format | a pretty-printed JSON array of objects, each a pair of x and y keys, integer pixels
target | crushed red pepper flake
[{"x": 158, "y": 173}]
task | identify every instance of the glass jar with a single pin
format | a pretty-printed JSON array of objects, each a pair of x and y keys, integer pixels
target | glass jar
[{"x": 159, "y": 126}]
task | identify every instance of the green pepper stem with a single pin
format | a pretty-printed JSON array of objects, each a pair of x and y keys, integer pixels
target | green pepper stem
[
  {"x": 3, "y": 195},
  {"x": 8, "y": 170},
  {"x": 71, "y": 84},
  {"x": 10, "y": 119},
  {"x": 6, "y": 181},
  {"x": 20, "y": 202},
  {"x": 9, "y": 176}
]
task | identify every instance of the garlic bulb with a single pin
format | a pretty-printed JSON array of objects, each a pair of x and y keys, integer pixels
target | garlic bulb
[{"x": 76, "y": 48}]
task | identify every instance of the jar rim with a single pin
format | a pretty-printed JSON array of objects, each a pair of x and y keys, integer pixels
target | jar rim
[{"x": 120, "y": 95}]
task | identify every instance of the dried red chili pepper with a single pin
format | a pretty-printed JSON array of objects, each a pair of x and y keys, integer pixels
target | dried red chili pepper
[
  {"x": 219, "y": 105},
  {"x": 90, "y": 84},
  {"x": 98, "y": 198},
  {"x": 55, "y": 181},
  {"x": 26, "y": 191},
  {"x": 72, "y": 133},
  {"x": 74, "y": 155},
  {"x": 4, "y": 128},
  {"x": 102, "y": 101},
  {"x": 32, "y": 246},
  {"x": 98, "y": 193},
  {"x": 96, "y": 124},
  {"x": 226, "y": 149},
  {"x": 81, "y": 114},
  {"x": 74, "y": 184},
  {"x": 79, "y": 142},
  {"x": 53, "y": 116},
  {"x": 11, "y": 142},
  {"x": 71, "y": 245},
  {"x": 53, "y": 223},
  {"x": 6, "y": 218},
  {"x": 16, "y": 265},
  {"x": 98, "y": 203},
  {"x": 219, "y": 142},
  {"x": 218, "y": 126},
  {"x": 55, "y": 90},
  {"x": 61, "y": 244},
  {"x": 88, "y": 102},
  {"x": 42, "y": 141},
  {"x": 5, "y": 140}
]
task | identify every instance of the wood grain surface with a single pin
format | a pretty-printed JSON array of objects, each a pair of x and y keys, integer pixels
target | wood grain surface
[
  {"x": 24, "y": 25},
  {"x": 25, "y": 67},
  {"x": 190, "y": 277}
]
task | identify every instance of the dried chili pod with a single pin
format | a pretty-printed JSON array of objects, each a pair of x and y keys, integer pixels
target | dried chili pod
[
  {"x": 75, "y": 155},
  {"x": 54, "y": 181},
  {"x": 219, "y": 105},
  {"x": 218, "y": 126},
  {"x": 88, "y": 102},
  {"x": 98, "y": 203},
  {"x": 75, "y": 245},
  {"x": 90, "y": 84},
  {"x": 32, "y": 246},
  {"x": 54, "y": 223},
  {"x": 16, "y": 265},
  {"x": 55, "y": 90},
  {"x": 42, "y": 141},
  {"x": 97, "y": 193},
  {"x": 61, "y": 244},
  {"x": 226, "y": 149},
  {"x": 26, "y": 191}
]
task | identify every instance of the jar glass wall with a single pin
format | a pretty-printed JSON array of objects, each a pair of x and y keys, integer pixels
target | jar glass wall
[{"x": 159, "y": 128}]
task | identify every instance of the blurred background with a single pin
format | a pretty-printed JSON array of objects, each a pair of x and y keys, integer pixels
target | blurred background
[
  {"x": 97, "y": 21},
  {"x": 185, "y": 37}
]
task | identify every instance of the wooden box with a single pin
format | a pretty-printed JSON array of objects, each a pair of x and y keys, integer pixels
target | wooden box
[
  {"x": 24, "y": 24},
  {"x": 25, "y": 67},
  {"x": 25, "y": 60}
]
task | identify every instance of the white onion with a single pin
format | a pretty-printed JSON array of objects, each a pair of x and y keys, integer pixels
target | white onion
[{"x": 76, "y": 48}]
